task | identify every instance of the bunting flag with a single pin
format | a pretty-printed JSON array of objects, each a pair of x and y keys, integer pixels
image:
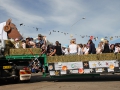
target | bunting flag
[
  {"x": 21, "y": 24},
  {"x": 95, "y": 38},
  {"x": 71, "y": 35}
]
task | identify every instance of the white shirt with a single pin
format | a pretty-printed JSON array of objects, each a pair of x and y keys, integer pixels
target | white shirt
[
  {"x": 86, "y": 51},
  {"x": 98, "y": 50},
  {"x": 23, "y": 45},
  {"x": 66, "y": 51},
  {"x": 116, "y": 49},
  {"x": 17, "y": 45},
  {"x": 80, "y": 52},
  {"x": 73, "y": 48}
]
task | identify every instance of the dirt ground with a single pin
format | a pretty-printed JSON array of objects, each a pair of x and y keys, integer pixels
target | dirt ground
[{"x": 88, "y": 83}]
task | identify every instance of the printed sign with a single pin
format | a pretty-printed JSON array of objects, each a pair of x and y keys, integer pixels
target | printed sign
[
  {"x": 52, "y": 73},
  {"x": 98, "y": 64},
  {"x": 87, "y": 70},
  {"x": 69, "y": 65},
  {"x": 63, "y": 72}
]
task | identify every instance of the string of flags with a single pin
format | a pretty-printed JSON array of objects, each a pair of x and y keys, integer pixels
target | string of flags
[
  {"x": 71, "y": 35},
  {"x": 84, "y": 36},
  {"x": 21, "y": 24}
]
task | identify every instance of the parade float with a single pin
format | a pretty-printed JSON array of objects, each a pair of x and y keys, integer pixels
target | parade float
[{"x": 15, "y": 62}]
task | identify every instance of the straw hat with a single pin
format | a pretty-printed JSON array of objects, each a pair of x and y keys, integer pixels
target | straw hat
[{"x": 6, "y": 28}]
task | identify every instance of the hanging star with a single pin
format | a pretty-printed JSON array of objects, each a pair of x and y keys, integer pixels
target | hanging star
[
  {"x": 82, "y": 36},
  {"x": 111, "y": 38},
  {"x": 58, "y": 31},
  {"x": 71, "y": 35},
  {"x": 95, "y": 39},
  {"x": 50, "y": 33},
  {"x": 21, "y": 24},
  {"x": 36, "y": 29},
  {"x": 65, "y": 33}
]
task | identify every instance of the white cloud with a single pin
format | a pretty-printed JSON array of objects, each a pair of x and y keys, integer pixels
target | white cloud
[
  {"x": 102, "y": 18},
  {"x": 16, "y": 11}
]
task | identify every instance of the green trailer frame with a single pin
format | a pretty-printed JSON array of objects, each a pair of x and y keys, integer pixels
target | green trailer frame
[{"x": 44, "y": 74}]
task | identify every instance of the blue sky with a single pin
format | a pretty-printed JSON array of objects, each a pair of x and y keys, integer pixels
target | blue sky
[{"x": 102, "y": 18}]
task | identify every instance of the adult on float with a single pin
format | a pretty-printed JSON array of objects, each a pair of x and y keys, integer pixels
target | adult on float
[
  {"x": 92, "y": 49},
  {"x": 73, "y": 47},
  {"x": 57, "y": 49}
]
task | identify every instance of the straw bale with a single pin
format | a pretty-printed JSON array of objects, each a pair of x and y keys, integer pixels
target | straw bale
[
  {"x": 27, "y": 51},
  {"x": 107, "y": 56},
  {"x": 89, "y": 57}
]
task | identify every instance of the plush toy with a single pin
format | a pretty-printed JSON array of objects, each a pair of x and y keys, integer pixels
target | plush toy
[{"x": 12, "y": 30}]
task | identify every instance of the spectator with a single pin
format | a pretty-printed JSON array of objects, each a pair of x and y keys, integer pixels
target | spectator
[
  {"x": 65, "y": 50},
  {"x": 50, "y": 50},
  {"x": 87, "y": 50},
  {"x": 32, "y": 43},
  {"x": 80, "y": 51},
  {"x": 73, "y": 47},
  {"x": 57, "y": 49},
  {"x": 28, "y": 42},
  {"x": 84, "y": 48},
  {"x": 43, "y": 49},
  {"x": 17, "y": 44},
  {"x": 99, "y": 48},
  {"x": 112, "y": 48},
  {"x": 106, "y": 47},
  {"x": 117, "y": 49},
  {"x": 39, "y": 41},
  {"x": 92, "y": 49},
  {"x": 23, "y": 44}
]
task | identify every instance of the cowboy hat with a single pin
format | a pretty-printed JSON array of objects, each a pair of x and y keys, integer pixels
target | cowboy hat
[{"x": 40, "y": 35}]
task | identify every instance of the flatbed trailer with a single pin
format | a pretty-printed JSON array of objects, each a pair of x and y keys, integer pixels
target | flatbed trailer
[
  {"x": 83, "y": 65},
  {"x": 61, "y": 66}
]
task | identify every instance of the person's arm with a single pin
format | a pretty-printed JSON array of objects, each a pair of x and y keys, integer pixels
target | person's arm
[{"x": 51, "y": 54}]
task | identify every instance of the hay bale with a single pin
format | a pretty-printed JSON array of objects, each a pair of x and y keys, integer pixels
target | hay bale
[
  {"x": 89, "y": 57},
  {"x": 118, "y": 56},
  {"x": 63, "y": 58},
  {"x": 32, "y": 51},
  {"x": 107, "y": 56},
  {"x": 8, "y": 46},
  {"x": 27, "y": 51}
]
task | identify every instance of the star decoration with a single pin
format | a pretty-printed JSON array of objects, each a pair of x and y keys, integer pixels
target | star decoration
[
  {"x": 94, "y": 65},
  {"x": 103, "y": 69},
  {"x": 56, "y": 73},
  {"x": 85, "y": 64}
]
